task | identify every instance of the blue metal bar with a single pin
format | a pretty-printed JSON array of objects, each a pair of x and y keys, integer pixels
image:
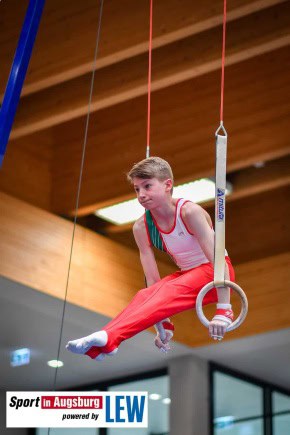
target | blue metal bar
[{"x": 18, "y": 71}]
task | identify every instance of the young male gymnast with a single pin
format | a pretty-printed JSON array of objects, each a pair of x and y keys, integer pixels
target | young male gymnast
[{"x": 184, "y": 230}]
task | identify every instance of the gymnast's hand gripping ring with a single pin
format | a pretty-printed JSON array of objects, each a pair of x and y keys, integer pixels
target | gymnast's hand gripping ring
[{"x": 237, "y": 289}]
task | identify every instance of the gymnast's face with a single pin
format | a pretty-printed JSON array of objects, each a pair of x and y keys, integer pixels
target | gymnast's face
[{"x": 152, "y": 192}]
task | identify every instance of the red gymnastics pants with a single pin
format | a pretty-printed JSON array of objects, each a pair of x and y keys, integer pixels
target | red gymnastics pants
[{"x": 171, "y": 295}]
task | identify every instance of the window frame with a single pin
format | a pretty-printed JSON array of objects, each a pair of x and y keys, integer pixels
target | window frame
[{"x": 267, "y": 387}]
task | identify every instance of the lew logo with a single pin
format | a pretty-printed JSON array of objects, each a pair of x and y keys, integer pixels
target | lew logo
[
  {"x": 220, "y": 204},
  {"x": 73, "y": 409}
]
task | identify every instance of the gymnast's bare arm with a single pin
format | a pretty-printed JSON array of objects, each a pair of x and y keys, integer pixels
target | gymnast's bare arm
[
  {"x": 147, "y": 257},
  {"x": 198, "y": 222},
  {"x": 151, "y": 272}
]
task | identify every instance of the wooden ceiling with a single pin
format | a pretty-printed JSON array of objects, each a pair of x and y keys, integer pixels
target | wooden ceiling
[
  {"x": 47, "y": 137},
  {"x": 42, "y": 162},
  {"x": 186, "y": 78}
]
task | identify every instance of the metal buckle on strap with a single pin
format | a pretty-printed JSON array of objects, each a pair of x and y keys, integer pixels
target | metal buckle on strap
[{"x": 221, "y": 128}]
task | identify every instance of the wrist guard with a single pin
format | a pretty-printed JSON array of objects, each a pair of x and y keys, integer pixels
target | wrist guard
[{"x": 225, "y": 315}]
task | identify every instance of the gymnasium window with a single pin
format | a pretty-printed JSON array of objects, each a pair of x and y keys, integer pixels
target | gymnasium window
[
  {"x": 70, "y": 431},
  {"x": 241, "y": 405},
  {"x": 281, "y": 413}
]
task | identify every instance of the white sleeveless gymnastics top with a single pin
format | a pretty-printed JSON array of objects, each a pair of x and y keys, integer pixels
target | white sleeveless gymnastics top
[{"x": 179, "y": 243}]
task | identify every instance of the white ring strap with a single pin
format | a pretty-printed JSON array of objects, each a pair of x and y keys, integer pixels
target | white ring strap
[
  {"x": 220, "y": 203},
  {"x": 219, "y": 253}
]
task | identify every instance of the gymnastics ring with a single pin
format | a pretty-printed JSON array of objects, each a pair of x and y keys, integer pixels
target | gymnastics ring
[{"x": 237, "y": 289}]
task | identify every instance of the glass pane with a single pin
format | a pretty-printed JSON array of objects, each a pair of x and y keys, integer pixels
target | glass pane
[
  {"x": 235, "y": 399},
  {"x": 64, "y": 431},
  {"x": 158, "y": 405},
  {"x": 281, "y": 425},
  {"x": 281, "y": 402},
  {"x": 252, "y": 427}
]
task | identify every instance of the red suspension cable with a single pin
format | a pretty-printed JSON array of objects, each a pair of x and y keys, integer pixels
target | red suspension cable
[
  {"x": 149, "y": 81},
  {"x": 223, "y": 62}
]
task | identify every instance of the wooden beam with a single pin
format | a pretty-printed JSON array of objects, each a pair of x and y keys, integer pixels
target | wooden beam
[
  {"x": 12, "y": 15},
  {"x": 35, "y": 246},
  {"x": 26, "y": 170},
  {"x": 246, "y": 182},
  {"x": 183, "y": 121},
  {"x": 64, "y": 51},
  {"x": 191, "y": 57},
  {"x": 268, "y": 176},
  {"x": 256, "y": 226}
]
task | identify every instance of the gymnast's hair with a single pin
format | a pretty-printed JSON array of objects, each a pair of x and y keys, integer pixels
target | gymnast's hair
[{"x": 153, "y": 167}]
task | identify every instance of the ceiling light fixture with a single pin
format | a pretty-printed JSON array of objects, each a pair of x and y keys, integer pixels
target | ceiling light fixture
[
  {"x": 55, "y": 363},
  {"x": 166, "y": 401},
  {"x": 128, "y": 211},
  {"x": 154, "y": 396},
  {"x": 259, "y": 165}
]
